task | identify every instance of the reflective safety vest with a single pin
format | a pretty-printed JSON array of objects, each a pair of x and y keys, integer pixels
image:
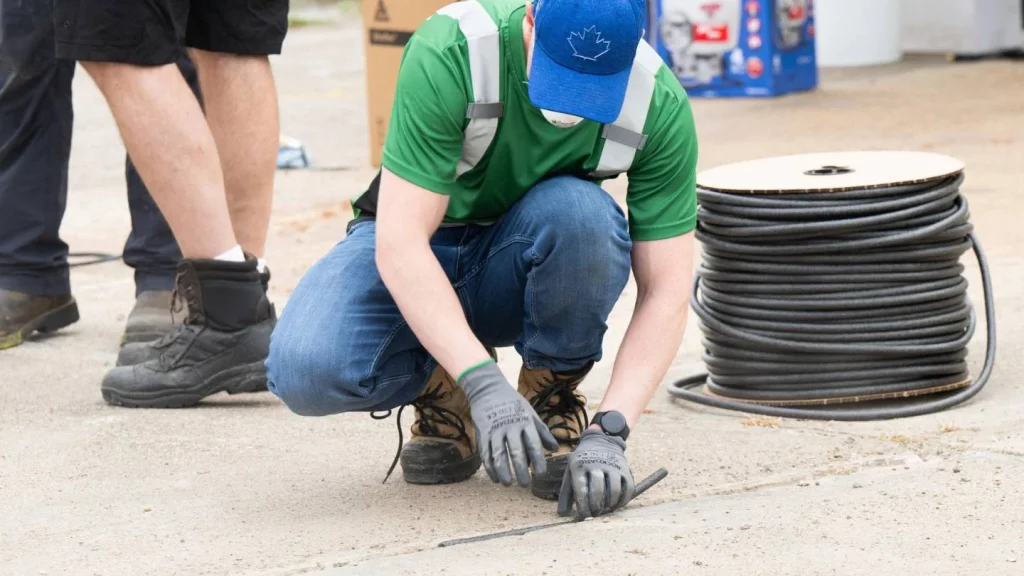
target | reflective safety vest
[{"x": 623, "y": 138}]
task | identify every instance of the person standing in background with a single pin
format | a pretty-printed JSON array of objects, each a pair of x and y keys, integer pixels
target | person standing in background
[
  {"x": 36, "y": 119},
  {"x": 210, "y": 169}
]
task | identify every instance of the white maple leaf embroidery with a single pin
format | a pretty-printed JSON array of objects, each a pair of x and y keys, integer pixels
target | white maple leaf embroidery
[{"x": 588, "y": 45}]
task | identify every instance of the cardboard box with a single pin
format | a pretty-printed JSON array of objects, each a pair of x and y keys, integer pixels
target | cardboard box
[
  {"x": 967, "y": 27},
  {"x": 387, "y": 27},
  {"x": 728, "y": 48}
]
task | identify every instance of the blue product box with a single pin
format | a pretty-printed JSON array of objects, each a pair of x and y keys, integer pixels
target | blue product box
[{"x": 728, "y": 48}]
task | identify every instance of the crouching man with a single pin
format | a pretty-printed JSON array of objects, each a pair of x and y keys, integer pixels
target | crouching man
[{"x": 487, "y": 228}]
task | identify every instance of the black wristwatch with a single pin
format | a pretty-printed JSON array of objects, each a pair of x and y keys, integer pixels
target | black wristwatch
[{"x": 613, "y": 423}]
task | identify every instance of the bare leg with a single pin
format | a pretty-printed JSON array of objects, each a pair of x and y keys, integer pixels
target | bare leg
[
  {"x": 170, "y": 143},
  {"x": 241, "y": 108},
  {"x": 199, "y": 167}
]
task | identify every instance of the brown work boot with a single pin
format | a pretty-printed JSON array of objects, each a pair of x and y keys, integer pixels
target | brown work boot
[
  {"x": 151, "y": 317},
  {"x": 22, "y": 314},
  {"x": 442, "y": 449},
  {"x": 564, "y": 410}
]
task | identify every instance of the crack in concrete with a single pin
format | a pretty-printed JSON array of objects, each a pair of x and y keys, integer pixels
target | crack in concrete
[
  {"x": 908, "y": 459},
  {"x": 790, "y": 479}
]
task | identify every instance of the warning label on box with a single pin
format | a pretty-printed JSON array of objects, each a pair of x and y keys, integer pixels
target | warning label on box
[{"x": 382, "y": 12}]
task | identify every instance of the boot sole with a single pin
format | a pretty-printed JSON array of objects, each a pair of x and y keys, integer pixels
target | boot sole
[
  {"x": 547, "y": 486},
  {"x": 432, "y": 473},
  {"x": 248, "y": 378},
  {"x": 51, "y": 321}
]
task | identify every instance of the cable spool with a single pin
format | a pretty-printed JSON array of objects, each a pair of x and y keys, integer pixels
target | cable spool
[{"x": 832, "y": 280}]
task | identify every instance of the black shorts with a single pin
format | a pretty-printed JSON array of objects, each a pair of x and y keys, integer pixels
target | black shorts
[{"x": 155, "y": 32}]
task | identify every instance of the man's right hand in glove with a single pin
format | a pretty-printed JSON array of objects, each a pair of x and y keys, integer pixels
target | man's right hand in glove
[{"x": 507, "y": 427}]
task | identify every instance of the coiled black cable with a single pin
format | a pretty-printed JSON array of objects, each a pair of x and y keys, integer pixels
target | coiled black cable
[{"x": 824, "y": 299}]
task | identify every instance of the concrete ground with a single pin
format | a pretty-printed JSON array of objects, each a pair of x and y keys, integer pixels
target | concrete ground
[{"x": 243, "y": 486}]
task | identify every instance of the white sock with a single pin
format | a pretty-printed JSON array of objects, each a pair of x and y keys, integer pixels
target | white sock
[
  {"x": 233, "y": 255},
  {"x": 261, "y": 265}
]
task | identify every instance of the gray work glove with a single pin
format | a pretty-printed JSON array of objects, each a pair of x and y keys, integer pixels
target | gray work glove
[
  {"x": 597, "y": 478},
  {"x": 506, "y": 426}
]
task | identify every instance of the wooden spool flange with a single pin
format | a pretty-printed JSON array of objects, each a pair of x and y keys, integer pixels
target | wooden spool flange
[{"x": 829, "y": 172}]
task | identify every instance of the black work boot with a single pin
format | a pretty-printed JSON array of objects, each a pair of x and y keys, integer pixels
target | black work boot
[
  {"x": 564, "y": 410},
  {"x": 443, "y": 445},
  {"x": 22, "y": 314},
  {"x": 136, "y": 350},
  {"x": 220, "y": 347}
]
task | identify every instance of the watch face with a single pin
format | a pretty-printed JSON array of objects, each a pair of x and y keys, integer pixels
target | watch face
[{"x": 613, "y": 422}]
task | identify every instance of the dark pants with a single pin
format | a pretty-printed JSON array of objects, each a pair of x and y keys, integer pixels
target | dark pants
[{"x": 35, "y": 143}]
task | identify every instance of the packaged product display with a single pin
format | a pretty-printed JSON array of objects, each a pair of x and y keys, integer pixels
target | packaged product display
[{"x": 736, "y": 47}]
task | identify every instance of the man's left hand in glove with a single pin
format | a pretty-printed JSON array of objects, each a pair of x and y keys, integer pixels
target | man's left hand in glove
[{"x": 597, "y": 478}]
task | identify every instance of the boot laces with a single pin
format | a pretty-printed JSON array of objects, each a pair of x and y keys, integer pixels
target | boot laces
[
  {"x": 177, "y": 305},
  {"x": 189, "y": 298},
  {"x": 431, "y": 414},
  {"x": 561, "y": 401}
]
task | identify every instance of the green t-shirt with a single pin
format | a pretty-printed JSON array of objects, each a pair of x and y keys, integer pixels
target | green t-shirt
[{"x": 425, "y": 135}]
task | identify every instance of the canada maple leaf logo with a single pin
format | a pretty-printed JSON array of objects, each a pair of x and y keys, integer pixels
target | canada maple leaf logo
[
  {"x": 588, "y": 45},
  {"x": 711, "y": 9}
]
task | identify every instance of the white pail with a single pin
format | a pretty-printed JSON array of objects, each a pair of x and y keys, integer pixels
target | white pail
[{"x": 858, "y": 32}]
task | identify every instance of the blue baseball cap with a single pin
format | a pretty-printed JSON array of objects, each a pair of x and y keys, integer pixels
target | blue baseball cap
[{"x": 582, "y": 55}]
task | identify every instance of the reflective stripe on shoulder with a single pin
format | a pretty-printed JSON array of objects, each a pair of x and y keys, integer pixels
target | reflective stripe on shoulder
[
  {"x": 484, "y": 45},
  {"x": 625, "y": 136}
]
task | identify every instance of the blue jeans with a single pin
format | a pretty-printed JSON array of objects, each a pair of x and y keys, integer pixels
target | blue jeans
[
  {"x": 543, "y": 278},
  {"x": 36, "y": 119}
]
